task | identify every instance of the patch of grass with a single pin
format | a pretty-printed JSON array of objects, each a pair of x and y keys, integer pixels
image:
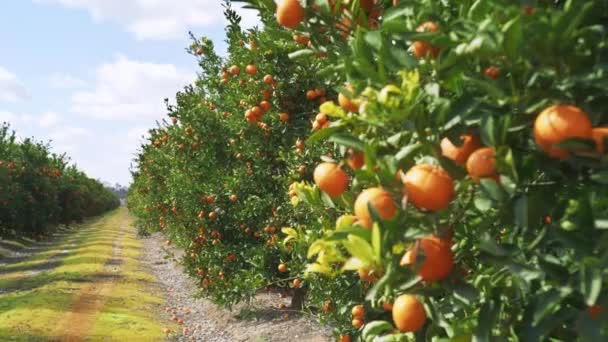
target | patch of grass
[{"x": 34, "y": 305}]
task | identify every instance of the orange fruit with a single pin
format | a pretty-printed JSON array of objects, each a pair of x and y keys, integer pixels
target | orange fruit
[
  {"x": 265, "y": 106},
  {"x": 290, "y": 13},
  {"x": 357, "y": 323},
  {"x": 301, "y": 39},
  {"x": 428, "y": 187},
  {"x": 559, "y": 122},
  {"x": 284, "y": 117},
  {"x": 297, "y": 283},
  {"x": 481, "y": 164},
  {"x": 600, "y": 134},
  {"x": 234, "y": 198},
  {"x": 595, "y": 311},
  {"x": 257, "y": 112},
  {"x": 346, "y": 103},
  {"x": 251, "y": 69},
  {"x": 235, "y": 70},
  {"x": 331, "y": 179},
  {"x": 344, "y": 338},
  {"x": 368, "y": 275},
  {"x": 356, "y": 159},
  {"x": 212, "y": 215},
  {"x": 268, "y": 79},
  {"x": 321, "y": 118},
  {"x": 421, "y": 49},
  {"x": 408, "y": 313},
  {"x": 358, "y": 311},
  {"x": 282, "y": 268},
  {"x": 438, "y": 258},
  {"x": 492, "y": 72},
  {"x": 380, "y": 200},
  {"x": 460, "y": 154},
  {"x": 311, "y": 95},
  {"x": 387, "y": 306}
]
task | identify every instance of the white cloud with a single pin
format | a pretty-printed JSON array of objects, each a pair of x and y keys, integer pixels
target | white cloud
[
  {"x": 130, "y": 90},
  {"x": 11, "y": 89},
  {"x": 46, "y": 126},
  {"x": 65, "y": 81},
  {"x": 158, "y": 19}
]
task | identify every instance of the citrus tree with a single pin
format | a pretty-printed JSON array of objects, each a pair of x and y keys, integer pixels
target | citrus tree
[
  {"x": 416, "y": 170},
  {"x": 40, "y": 190}
]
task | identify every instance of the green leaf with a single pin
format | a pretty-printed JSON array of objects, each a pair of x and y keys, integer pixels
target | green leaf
[
  {"x": 465, "y": 293},
  {"x": 547, "y": 302},
  {"x": 487, "y": 316},
  {"x": 576, "y": 144},
  {"x": 488, "y": 130},
  {"x": 488, "y": 245},
  {"x": 406, "y": 154},
  {"x": 377, "y": 241},
  {"x": 513, "y": 35},
  {"x": 323, "y": 134},
  {"x": 301, "y": 54},
  {"x": 375, "y": 328},
  {"x": 521, "y": 211},
  {"x": 359, "y": 248},
  {"x": 590, "y": 283},
  {"x": 348, "y": 140},
  {"x": 493, "y": 190}
]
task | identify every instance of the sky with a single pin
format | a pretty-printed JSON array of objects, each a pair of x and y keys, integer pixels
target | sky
[{"x": 91, "y": 76}]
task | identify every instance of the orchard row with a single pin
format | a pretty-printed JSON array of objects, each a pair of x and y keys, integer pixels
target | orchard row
[
  {"x": 408, "y": 170},
  {"x": 40, "y": 190}
]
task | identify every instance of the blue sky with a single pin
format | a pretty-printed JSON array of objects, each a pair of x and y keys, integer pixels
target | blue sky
[{"x": 91, "y": 75}]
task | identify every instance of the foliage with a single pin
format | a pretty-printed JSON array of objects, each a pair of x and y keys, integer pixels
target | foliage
[
  {"x": 39, "y": 189},
  {"x": 525, "y": 230}
]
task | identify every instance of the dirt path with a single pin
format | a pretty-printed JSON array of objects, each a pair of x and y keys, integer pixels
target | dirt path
[
  {"x": 88, "y": 285},
  {"x": 262, "y": 320},
  {"x": 100, "y": 282},
  {"x": 77, "y": 323}
]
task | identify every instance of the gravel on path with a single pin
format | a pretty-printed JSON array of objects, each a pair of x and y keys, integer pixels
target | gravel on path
[{"x": 201, "y": 320}]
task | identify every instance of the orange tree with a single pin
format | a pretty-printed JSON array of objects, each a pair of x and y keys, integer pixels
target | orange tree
[
  {"x": 39, "y": 189},
  {"x": 215, "y": 177},
  {"x": 454, "y": 186},
  {"x": 481, "y": 209}
]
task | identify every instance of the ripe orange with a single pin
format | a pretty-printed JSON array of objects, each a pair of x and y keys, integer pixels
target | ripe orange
[
  {"x": 356, "y": 159},
  {"x": 297, "y": 283},
  {"x": 257, "y": 112},
  {"x": 492, "y": 72},
  {"x": 212, "y": 215},
  {"x": 300, "y": 39},
  {"x": 311, "y": 95},
  {"x": 265, "y": 106},
  {"x": 368, "y": 275},
  {"x": 251, "y": 69},
  {"x": 235, "y": 70},
  {"x": 234, "y": 198},
  {"x": 331, "y": 179},
  {"x": 346, "y": 103},
  {"x": 460, "y": 154},
  {"x": 282, "y": 268},
  {"x": 481, "y": 164},
  {"x": 344, "y": 338},
  {"x": 408, "y": 313},
  {"x": 387, "y": 306},
  {"x": 428, "y": 187},
  {"x": 358, "y": 311},
  {"x": 595, "y": 311},
  {"x": 268, "y": 79},
  {"x": 421, "y": 49},
  {"x": 321, "y": 118},
  {"x": 438, "y": 258},
  {"x": 380, "y": 200},
  {"x": 357, "y": 323},
  {"x": 284, "y": 117},
  {"x": 559, "y": 122},
  {"x": 290, "y": 13},
  {"x": 600, "y": 134}
]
